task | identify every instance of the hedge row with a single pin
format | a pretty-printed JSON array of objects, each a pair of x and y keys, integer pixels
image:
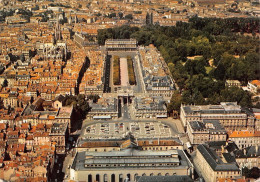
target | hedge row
[
  {"x": 116, "y": 71},
  {"x": 131, "y": 73}
]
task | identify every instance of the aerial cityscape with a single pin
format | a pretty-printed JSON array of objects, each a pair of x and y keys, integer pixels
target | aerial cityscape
[{"x": 129, "y": 90}]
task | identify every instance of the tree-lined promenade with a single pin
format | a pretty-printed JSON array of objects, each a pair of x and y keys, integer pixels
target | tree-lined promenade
[{"x": 116, "y": 70}]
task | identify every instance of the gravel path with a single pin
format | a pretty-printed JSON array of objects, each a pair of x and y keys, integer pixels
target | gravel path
[{"x": 124, "y": 72}]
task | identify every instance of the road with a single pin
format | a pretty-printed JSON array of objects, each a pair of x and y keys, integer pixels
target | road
[
  {"x": 57, "y": 174},
  {"x": 139, "y": 88},
  {"x": 67, "y": 162},
  {"x": 125, "y": 112},
  {"x": 111, "y": 84},
  {"x": 107, "y": 89}
]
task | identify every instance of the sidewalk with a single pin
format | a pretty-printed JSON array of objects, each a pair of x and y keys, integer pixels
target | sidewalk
[{"x": 67, "y": 162}]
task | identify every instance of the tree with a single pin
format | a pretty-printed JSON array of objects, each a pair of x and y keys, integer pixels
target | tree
[
  {"x": 5, "y": 83},
  {"x": 129, "y": 17},
  {"x": 1, "y": 103},
  {"x": 111, "y": 15},
  {"x": 255, "y": 173},
  {"x": 198, "y": 98},
  {"x": 79, "y": 103},
  {"x": 171, "y": 67},
  {"x": 214, "y": 99},
  {"x": 186, "y": 97},
  {"x": 31, "y": 100},
  {"x": 94, "y": 97},
  {"x": 245, "y": 172},
  {"x": 212, "y": 38},
  {"x": 120, "y": 14},
  {"x": 219, "y": 72},
  {"x": 32, "y": 53},
  {"x": 234, "y": 94},
  {"x": 13, "y": 58},
  {"x": 35, "y": 8},
  {"x": 22, "y": 57},
  {"x": 200, "y": 67},
  {"x": 175, "y": 103}
]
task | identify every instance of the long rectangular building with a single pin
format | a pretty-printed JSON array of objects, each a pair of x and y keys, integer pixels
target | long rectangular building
[
  {"x": 105, "y": 108},
  {"x": 117, "y": 166},
  {"x": 121, "y": 45},
  {"x": 212, "y": 168},
  {"x": 155, "y": 72},
  {"x": 153, "y": 107},
  {"x": 230, "y": 115},
  {"x": 207, "y": 130}
]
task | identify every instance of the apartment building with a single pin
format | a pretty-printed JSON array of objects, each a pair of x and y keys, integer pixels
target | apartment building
[
  {"x": 200, "y": 132},
  {"x": 254, "y": 86},
  {"x": 105, "y": 108},
  {"x": 248, "y": 157},
  {"x": 155, "y": 72},
  {"x": 245, "y": 139},
  {"x": 59, "y": 135}
]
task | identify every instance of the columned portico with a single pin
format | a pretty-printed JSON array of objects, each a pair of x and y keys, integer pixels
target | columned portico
[{"x": 130, "y": 175}]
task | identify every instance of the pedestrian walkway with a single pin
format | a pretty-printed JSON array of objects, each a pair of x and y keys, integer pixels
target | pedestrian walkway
[{"x": 124, "y": 72}]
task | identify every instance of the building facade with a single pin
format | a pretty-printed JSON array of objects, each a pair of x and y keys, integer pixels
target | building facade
[
  {"x": 59, "y": 135},
  {"x": 245, "y": 139},
  {"x": 230, "y": 115},
  {"x": 211, "y": 167},
  {"x": 154, "y": 107},
  {"x": 117, "y": 166},
  {"x": 254, "y": 86},
  {"x": 248, "y": 157},
  {"x": 105, "y": 108},
  {"x": 200, "y": 132},
  {"x": 121, "y": 45}
]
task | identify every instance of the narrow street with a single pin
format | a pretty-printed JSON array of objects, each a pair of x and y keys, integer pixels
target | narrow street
[{"x": 57, "y": 172}]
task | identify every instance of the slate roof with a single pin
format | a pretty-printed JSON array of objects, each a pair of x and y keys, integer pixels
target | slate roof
[
  {"x": 129, "y": 156},
  {"x": 229, "y": 158},
  {"x": 231, "y": 147},
  {"x": 223, "y": 108},
  {"x": 214, "y": 161},
  {"x": 207, "y": 125},
  {"x": 157, "y": 81},
  {"x": 249, "y": 152}
]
